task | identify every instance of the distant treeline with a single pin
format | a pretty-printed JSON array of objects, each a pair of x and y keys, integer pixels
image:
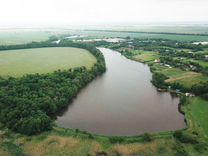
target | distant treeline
[{"x": 28, "y": 103}]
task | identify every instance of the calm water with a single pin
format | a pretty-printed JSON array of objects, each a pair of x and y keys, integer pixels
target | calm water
[{"x": 122, "y": 102}]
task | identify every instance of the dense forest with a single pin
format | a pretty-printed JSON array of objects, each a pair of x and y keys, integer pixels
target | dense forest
[{"x": 28, "y": 103}]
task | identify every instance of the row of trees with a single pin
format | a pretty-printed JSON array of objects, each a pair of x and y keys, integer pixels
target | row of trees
[{"x": 27, "y": 104}]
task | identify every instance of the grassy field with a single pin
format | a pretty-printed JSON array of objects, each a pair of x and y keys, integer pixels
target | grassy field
[
  {"x": 42, "y": 60},
  {"x": 199, "y": 113},
  {"x": 8, "y": 37},
  {"x": 146, "y": 56}
]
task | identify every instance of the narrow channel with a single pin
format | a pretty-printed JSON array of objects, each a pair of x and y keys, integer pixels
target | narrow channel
[{"x": 122, "y": 102}]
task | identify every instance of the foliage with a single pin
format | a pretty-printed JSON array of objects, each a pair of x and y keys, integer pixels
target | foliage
[
  {"x": 158, "y": 79},
  {"x": 28, "y": 103},
  {"x": 184, "y": 138},
  {"x": 147, "y": 137},
  {"x": 179, "y": 149},
  {"x": 115, "y": 139},
  {"x": 200, "y": 147}
]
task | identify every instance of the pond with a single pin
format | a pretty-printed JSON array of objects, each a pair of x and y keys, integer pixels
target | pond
[{"x": 122, "y": 101}]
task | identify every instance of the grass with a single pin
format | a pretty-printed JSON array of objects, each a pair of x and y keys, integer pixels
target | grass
[
  {"x": 198, "y": 111},
  {"x": 144, "y": 56},
  {"x": 42, "y": 60},
  {"x": 11, "y": 36}
]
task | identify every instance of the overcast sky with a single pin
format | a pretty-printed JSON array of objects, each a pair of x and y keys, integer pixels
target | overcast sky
[{"x": 67, "y": 12}]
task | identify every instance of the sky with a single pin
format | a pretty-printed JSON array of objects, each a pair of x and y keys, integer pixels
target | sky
[{"x": 69, "y": 12}]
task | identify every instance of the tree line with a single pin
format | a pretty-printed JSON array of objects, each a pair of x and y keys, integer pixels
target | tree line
[{"x": 28, "y": 103}]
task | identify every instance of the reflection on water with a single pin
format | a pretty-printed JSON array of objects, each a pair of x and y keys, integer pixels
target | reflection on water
[{"x": 122, "y": 102}]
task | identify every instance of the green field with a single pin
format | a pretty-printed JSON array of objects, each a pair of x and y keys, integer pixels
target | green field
[
  {"x": 199, "y": 113},
  {"x": 145, "y": 56},
  {"x": 42, "y": 60},
  {"x": 10, "y": 37}
]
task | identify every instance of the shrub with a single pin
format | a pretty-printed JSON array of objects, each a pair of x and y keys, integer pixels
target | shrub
[
  {"x": 147, "y": 137},
  {"x": 200, "y": 147},
  {"x": 101, "y": 153},
  {"x": 184, "y": 138},
  {"x": 116, "y": 140},
  {"x": 179, "y": 149}
]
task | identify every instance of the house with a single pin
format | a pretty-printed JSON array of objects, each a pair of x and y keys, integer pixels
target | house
[
  {"x": 57, "y": 42},
  {"x": 189, "y": 94},
  {"x": 167, "y": 65},
  {"x": 157, "y": 60},
  {"x": 192, "y": 67}
]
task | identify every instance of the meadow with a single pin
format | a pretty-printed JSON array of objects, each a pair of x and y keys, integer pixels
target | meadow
[
  {"x": 10, "y": 37},
  {"x": 43, "y": 60},
  {"x": 145, "y": 56}
]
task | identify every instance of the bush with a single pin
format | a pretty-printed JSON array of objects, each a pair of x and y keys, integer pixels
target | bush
[
  {"x": 90, "y": 136},
  {"x": 116, "y": 140},
  {"x": 184, "y": 138},
  {"x": 101, "y": 153},
  {"x": 147, "y": 137},
  {"x": 200, "y": 147},
  {"x": 179, "y": 149}
]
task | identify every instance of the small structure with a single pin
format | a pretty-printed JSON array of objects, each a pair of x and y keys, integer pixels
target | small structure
[
  {"x": 192, "y": 67},
  {"x": 189, "y": 94},
  {"x": 57, "y": 42},
  {"x": 167, "y": 65},
  {"x": 157, "y": 60}
]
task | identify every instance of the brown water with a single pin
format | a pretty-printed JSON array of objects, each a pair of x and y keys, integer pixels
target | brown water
[{"x": 122, "y": 102}]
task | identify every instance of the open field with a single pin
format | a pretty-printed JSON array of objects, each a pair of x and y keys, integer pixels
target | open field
[
  {"x": 199, "y": 113},
  {"x": 42, "y": 60},
  {"x": 20, "y": 37},
  {"x": 13, "y": 36},
  {"x": 145, "y": 56}
]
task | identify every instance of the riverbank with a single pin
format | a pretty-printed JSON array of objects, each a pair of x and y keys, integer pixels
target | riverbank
[{"x": 60, "y": 141}]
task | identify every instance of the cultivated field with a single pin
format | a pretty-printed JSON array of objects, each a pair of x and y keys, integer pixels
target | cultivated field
[{"x": 42, "y": 60}]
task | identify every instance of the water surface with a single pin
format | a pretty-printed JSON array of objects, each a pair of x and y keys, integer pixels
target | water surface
[{"x": 122, "y": 102}]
